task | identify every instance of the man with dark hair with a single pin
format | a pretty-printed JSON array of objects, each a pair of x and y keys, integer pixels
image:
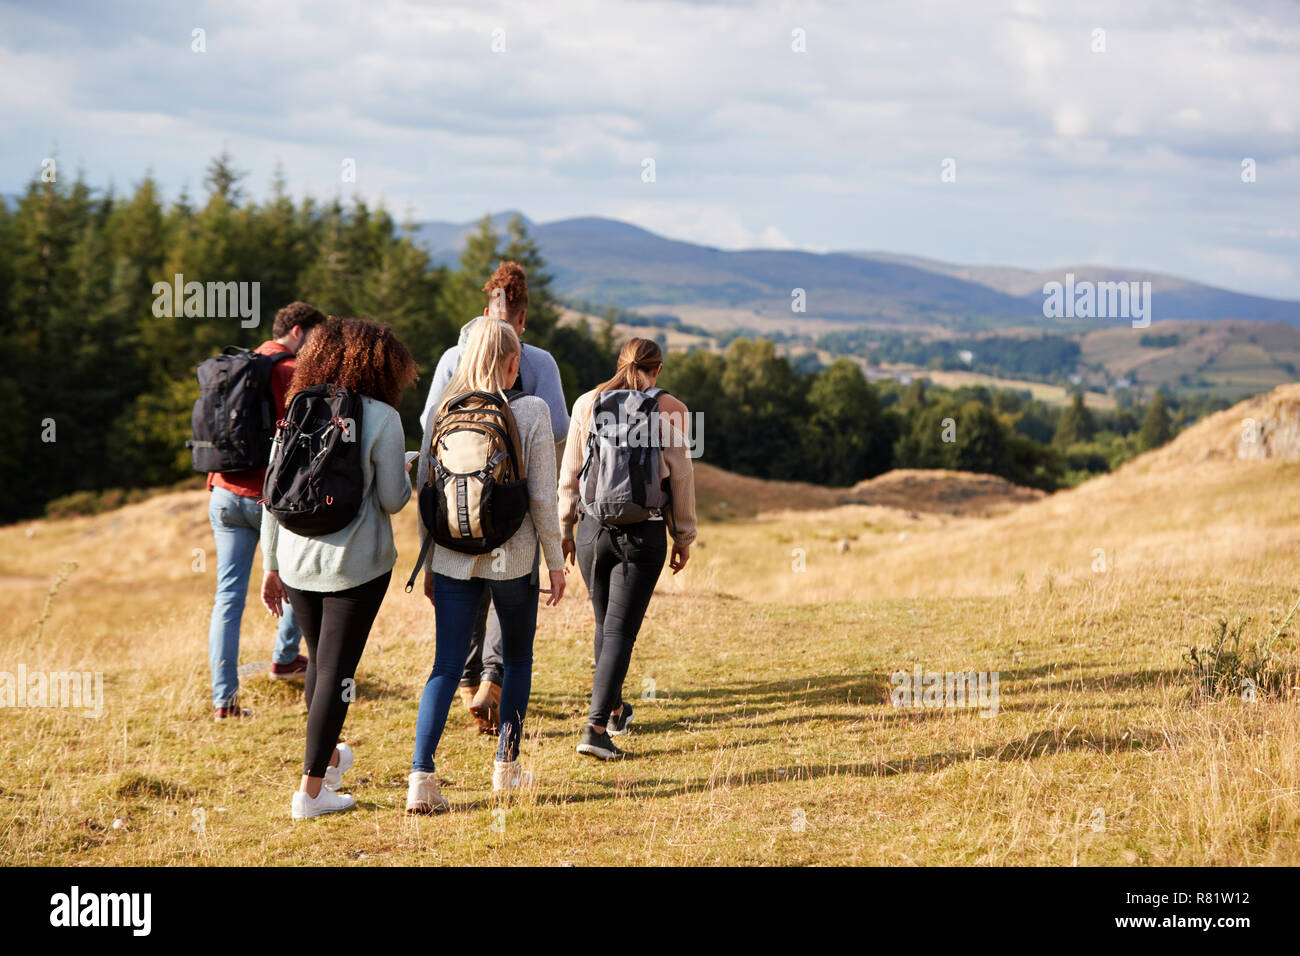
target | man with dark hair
[
  {"x": 236, "y": 519},
  {"x": 305, "y": 317}
]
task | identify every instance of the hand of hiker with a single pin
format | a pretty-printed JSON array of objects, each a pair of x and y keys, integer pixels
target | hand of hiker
[
  {"x": 428, "y": 586},
  {"x": 557, "y": 588},
  {"x": 681, "y": 554},
  {"x": 273, "y": 595},
  {"x": 570, "y": 551}
]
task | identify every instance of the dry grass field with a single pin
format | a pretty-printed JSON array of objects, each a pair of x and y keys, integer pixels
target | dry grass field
[{"x": 765, "y": 732}]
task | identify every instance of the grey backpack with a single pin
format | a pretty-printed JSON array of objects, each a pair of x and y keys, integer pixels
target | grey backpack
[{"x": 619, "y": 483}]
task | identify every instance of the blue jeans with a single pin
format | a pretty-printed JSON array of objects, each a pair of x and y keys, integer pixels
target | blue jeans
[
  {"x": 456, "y": 606},
  {"x": 236, "y": 524}
]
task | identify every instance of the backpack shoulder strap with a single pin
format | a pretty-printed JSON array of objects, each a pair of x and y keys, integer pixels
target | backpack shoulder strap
[
  {"x": 654, "y": 391},
  {"x": 515, "y": 445}
]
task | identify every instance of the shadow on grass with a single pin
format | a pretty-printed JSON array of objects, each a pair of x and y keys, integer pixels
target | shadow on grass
[
  {"x": 1029, "y": 747},
  {"x": 742, "y": 702}
]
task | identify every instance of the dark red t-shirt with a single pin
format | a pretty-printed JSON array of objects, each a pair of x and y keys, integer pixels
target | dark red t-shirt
[{"x": 249, "y": 483}]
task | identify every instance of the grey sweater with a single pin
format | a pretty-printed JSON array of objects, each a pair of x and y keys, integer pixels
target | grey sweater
[
  {"x": 542, "y": 523},
  {"x": 538, "y": 375},
  {"x": 364, "y": 549}
]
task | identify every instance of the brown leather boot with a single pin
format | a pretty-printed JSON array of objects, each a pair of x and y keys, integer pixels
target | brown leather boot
[
  {"x": 487, "y": 707},
  {"x": 467, "y": 695}
]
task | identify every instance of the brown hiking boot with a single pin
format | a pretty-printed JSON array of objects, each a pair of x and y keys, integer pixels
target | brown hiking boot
[
  {"x": 486, "y": 707},
  {"x": 467, "y": 695}
]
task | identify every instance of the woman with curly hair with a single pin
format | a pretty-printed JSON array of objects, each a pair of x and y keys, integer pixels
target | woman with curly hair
[{"x": 336, "y": 582}]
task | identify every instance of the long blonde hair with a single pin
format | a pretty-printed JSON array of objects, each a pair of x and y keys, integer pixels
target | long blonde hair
[
  {"x": 489, "y": 344},
  {"x": 637, "y": 361}
]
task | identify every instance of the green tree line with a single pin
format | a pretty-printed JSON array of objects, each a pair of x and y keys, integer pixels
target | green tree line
[
  {"x": 98, "y": 389},
  {"x": 763, "y": 417}
]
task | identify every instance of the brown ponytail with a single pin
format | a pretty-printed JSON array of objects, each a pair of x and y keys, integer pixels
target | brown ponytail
[
  {"x": 637, "y": 361},
  {"x": 509, "y": 286}
]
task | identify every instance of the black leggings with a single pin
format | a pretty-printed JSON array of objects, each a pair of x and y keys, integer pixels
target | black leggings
[
  {"x": 620, "y": 570},
  {"x": 335, "y": 625}
]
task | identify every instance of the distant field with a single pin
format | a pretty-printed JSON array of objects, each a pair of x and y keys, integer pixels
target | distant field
[
  {"x": 1229, "y": 357},
  {"x": 1233, "y": 358},
  {"x": 1052, "y": 394}
]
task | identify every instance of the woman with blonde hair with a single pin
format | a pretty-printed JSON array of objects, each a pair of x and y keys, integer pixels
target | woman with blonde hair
[
  {"x": 507, "y": 290},
  {"x": 617, "y": 492},
  {"x": 455, "y": 582}
]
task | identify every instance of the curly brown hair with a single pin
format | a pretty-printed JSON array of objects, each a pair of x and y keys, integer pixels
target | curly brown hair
[
  {"x": 511, "y": 279},
  {"x": 305, "y": 316},
  {"x": 357, "y": 354}
]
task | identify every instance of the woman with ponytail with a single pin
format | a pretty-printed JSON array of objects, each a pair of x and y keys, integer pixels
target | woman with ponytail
[{"x": 621, "y": 562}]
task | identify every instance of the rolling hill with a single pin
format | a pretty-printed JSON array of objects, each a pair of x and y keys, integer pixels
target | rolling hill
[
  {"x": 614, "y": 263},
  {"x": 1230, "y": 357}
]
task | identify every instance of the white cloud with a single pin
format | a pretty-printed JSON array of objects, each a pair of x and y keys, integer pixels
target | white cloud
[{"x": 1059, "y": 150}]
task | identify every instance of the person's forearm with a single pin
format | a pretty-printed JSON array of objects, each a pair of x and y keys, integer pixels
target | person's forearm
[
  {"x": 681, "y": 483},
  {"x": 392, "y": 483},
  {"x": 570, "y": 468},
  {"x": 542, "y": 493},
  {"x": 268, "y": 538}
]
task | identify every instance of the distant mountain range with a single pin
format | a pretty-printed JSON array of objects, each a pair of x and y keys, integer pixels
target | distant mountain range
[{"x": 608, "y": 262}]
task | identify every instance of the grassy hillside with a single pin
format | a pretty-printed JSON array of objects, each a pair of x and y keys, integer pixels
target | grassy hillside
[
  {"x": 770, "y": 737},
  {"x": 1231, "y": 358}
]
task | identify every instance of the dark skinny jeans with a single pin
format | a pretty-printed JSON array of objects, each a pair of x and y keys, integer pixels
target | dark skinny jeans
[
  {"x": 620, "y": 593},
  {"x": 335, "y": 626}
]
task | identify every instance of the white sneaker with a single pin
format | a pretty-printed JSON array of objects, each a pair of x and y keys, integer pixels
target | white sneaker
[
  {"x": 327, "y": 801},
  {"x": 334, "y": 775},
  {"x": 423, "y": 795},
  {"x": 508, "y": 775}
]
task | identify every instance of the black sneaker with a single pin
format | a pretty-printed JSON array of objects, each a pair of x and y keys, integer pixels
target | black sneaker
[
  {"x": 617, "y": 724},
  {"x": 598, "y": 745}
]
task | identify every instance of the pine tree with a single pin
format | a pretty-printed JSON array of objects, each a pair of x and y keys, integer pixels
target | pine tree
[
  {"x": 1157, "y": 428},
  {"x": 462, "y": 295},
  {"x": 1076, "y": 423},
  {"x": 543, "y": 309},
  {"x": 222, "y": 179}
]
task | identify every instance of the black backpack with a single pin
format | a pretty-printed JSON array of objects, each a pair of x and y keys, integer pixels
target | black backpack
[
  {"x": 234, "y": 417},
  {"x": 314, "y": 484}
]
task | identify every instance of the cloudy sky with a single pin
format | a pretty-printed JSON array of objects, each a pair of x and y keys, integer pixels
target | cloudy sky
[{"x": 1062, "y": 155}]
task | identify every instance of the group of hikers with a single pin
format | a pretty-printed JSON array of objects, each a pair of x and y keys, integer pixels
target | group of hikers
[{"x": 505, "y": 478}]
